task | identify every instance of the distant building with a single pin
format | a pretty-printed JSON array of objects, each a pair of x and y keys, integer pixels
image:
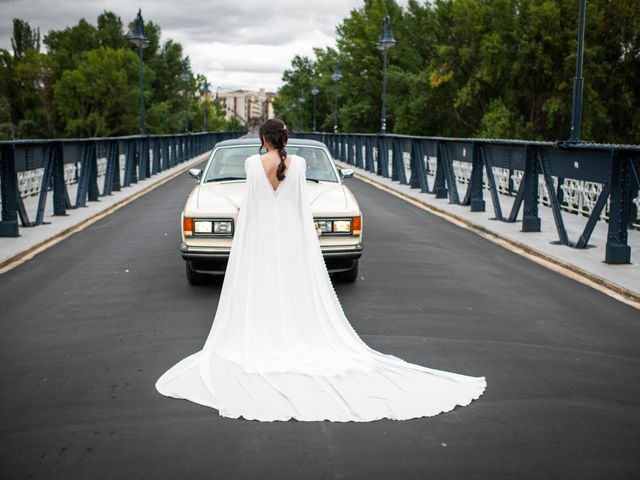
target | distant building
[{"x": 250, "y": 107}]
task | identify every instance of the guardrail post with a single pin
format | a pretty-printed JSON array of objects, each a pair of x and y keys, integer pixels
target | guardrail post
[
  {"x": 397, "y": 149},
  {"x": 128, "y": 161},
  {"x": 157, "y": 167},
  {"x": 136, "y": 172},
  {"x": 530, "y": 219},
  {"x": 395, "y": 166},
  {"x": 477, "y": 201},
  {"x": 368, "y": 155},
  {"x": 350, "y": 154},
  {"x": 112, "y": 166},
  {"x": 414, "y": 158},
  {"x": 358, "y": 141},
  {"x": 59, "y": 185},
  {"x": 617, "y": 251},
  {"x": 439, "y": 187},
  {"x": 9, "y": 183},
  {"x": 87, "y": 151},
  {"x": 383, "y": 157}
]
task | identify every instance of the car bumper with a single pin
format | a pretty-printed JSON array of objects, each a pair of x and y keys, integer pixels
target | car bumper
[{"x": 214, "y": 260}]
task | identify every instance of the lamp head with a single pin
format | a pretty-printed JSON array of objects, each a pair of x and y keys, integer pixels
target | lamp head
[
  {"x": 386, "y": 38},
  {"x": 137, "y": 37}
]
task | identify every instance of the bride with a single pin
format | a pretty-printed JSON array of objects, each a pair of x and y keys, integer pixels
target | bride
[{"x": 280, "y": 346}]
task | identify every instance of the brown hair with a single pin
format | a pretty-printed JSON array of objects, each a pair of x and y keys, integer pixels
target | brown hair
[{"x": 275, "y": 132}]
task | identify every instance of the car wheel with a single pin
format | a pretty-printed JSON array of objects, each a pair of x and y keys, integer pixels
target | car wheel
[
  {"x": 196, "y": 278},
  {"x": 349, "y": 275}
]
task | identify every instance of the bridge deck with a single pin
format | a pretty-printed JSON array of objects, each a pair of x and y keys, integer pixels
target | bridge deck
[{"x": 90, "y": 324}]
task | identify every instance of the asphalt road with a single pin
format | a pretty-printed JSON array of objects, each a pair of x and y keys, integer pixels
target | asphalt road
[{"x": 89, "y": 325}]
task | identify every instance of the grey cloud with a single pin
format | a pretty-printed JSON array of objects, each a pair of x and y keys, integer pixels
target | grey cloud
[
  {"x": 239, "y": 22},
  {"x": 286, "y": 26}
]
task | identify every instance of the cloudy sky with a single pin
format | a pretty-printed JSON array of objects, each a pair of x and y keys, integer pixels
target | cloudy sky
[{"x": 238, "y": 44}]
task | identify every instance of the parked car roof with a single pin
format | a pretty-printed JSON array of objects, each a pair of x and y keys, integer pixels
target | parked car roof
[{"x": 256, "y": 141}]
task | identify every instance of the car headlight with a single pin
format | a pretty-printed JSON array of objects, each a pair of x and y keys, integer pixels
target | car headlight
[
  {"x": 325, "y": 225},
  {"x": 206, "y": 227},
  {"x": 222, "y": 226},
  {"x": 342, "y": 226},
  {"x": 201, "y": 226},
  {"x": 339, "y": 226}
]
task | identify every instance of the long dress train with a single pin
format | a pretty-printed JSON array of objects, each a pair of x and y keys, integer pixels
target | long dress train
[{"x": 280, "y": 346}]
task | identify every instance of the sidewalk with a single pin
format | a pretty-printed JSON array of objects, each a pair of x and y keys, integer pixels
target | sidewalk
[
  {"x": 586, "y": 265},
  {"x": 32, "y": 240}
]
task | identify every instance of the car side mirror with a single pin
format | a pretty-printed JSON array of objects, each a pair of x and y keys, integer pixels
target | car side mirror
[
  {"x": 195, "y": 172},
  {"x": 346, "y": 172}
]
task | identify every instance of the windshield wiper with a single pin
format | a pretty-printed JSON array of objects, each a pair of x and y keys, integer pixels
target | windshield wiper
[
  {"x": 223, "y": 178},
  {"x": 313, "y": 180}
]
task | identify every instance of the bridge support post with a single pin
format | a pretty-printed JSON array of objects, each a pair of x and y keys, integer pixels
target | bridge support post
[
  {"x": 59, "y": 185},
  {"x": 439, "y": 187},
  {"x": 358, "y": 142},
  {"x": 415, "y": 159},
  {"x": 383, "y": 157},
  {"x": 368, "y": 154},
  {"x": 477, "y": 202},
  {"x": 94, "y": 191},
  {"x": 8, "y": 181},
  {"x": 617, "y": 251},
  {"x": 530, "y": 219}
]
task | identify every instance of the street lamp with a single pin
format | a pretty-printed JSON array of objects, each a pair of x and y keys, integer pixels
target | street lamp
[
  {"x": 576, "y": 115},
  {"x": 385, "y": 42},
  {"x": 336, "y": 76},
  {"x": 302, "y": 99},
  {"x": 314, "y": 92},
  {"x": 140, "y": 40},
  {"x": 185, "y": 78},
  {"x": 206, "y": 92}
]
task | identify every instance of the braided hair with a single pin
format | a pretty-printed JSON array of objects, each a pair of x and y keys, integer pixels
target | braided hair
[{"x": 275, "y": 132}]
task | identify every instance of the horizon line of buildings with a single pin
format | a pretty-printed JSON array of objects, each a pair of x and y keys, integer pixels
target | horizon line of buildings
[{"x": 249, "y": 107}]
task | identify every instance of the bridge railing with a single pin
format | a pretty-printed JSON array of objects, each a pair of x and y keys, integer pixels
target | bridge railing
[
  {"x": 600, "y": 181},
  {"x": 32, "y": 167}
]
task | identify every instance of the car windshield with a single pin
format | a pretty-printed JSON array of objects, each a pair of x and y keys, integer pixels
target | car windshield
[{"x": 228, "y": 163}]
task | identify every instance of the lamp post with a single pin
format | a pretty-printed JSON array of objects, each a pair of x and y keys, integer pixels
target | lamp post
[
  {"x": 576, "y": 115},
  {"x": 140, "y": 40},
  {"x": 185, "y": 78},
  {"x": 206, "y": 92},
  {"x": 314, "y": 92},
  {"x": 302, "y": 100},
  {"x": 336, "y": 76},
  {"x": 385, "y": 42}
]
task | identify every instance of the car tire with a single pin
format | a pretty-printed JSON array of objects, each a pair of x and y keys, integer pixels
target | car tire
[
  {"x": 196, "y": 278},
  {"x": 349, "y": 275}
]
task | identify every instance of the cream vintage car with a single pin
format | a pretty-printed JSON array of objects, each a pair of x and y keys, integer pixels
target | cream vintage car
[{"x": 209, "y": 215}]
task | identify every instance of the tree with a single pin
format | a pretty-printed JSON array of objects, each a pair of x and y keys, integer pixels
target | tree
[
  {"x": 24, "y": 38},
  {"x": 100, "y": 96},
  {"x": 500, "y": 68},
  {"x": 87, "y": 82}
]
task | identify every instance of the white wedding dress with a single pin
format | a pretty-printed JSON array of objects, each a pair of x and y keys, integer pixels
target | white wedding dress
[{"x": 281, "y": 346}]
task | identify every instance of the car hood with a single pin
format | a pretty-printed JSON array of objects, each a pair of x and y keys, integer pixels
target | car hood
[{"x": 225, "y": 197}]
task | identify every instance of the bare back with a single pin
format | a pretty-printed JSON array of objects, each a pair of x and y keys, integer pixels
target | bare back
[{"x": 270, "y": 162}]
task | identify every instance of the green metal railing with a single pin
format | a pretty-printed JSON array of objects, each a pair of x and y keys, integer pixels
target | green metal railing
[
  {"x": 144, "y": 156},
  {"x": 615, "y": 167}
]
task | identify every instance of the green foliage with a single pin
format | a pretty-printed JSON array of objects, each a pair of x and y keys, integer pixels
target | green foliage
[
  {"x": 499, "y": 68},
  {"x": 87, "y": 83},
  {"x": 99, "y": 97},
  {"x": 24, "y": 38}
]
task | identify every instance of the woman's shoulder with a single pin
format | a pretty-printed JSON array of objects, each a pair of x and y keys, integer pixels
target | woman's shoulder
[
  {"x": 250, "y": 158},
  {"x": 300, "y": 159}
]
